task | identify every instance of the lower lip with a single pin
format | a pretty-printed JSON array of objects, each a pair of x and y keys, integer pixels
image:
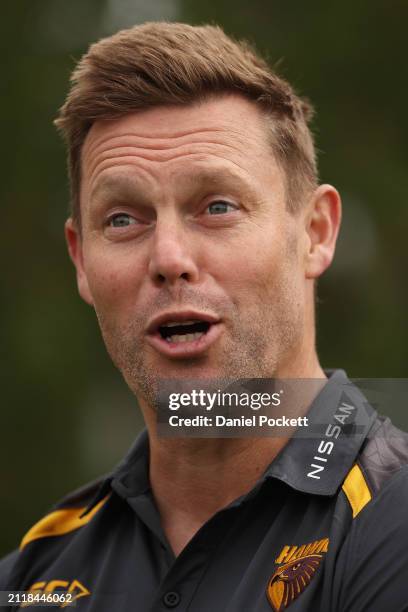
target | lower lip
[{"x": 186, "y": 349}]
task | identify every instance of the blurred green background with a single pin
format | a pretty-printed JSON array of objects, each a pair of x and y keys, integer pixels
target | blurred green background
[{"x": 67, "y": 416}]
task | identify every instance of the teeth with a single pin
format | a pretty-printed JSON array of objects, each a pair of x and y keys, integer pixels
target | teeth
[
  {"x": 174, "y": 323},
  {"x": 184, "y": 337}
]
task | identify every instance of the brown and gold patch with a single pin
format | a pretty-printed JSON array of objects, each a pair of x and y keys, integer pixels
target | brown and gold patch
[{"x": 291, "y": 578}]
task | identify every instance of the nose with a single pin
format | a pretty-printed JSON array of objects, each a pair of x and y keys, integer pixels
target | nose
[{"x": 172, "y": 257}]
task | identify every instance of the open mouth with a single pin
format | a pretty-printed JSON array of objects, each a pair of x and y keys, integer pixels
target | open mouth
[
  {"x": 184, "y": 334},
  {"x": 176, "y": 332}
]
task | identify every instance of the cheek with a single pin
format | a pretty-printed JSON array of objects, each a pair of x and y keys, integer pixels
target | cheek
[
  {"x": 261, "y": 269},
  {"x": 114, "y": 281},
  {"x": 250, "y": 265}
]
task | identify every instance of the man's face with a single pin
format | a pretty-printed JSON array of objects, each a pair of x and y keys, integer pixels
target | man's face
[{"x": 188, "y": 254}]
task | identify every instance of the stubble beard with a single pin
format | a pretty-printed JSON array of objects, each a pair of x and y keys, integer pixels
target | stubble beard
[{"x": 252, "y": 347}]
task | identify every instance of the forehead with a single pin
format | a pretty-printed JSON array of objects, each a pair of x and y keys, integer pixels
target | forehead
[
  {"x": 227, "y": 134},
  {"x": 228, "y": 115}
]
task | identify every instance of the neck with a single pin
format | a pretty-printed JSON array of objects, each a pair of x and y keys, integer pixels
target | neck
[{"x": 193, "y": 478}]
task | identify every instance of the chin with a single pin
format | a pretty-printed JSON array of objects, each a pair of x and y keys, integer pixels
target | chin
[{"x": 191, "y": 369}]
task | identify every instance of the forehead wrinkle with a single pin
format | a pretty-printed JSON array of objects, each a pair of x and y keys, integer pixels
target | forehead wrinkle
[
  {"x": 226, "y": 171},
  {"x": 160, "y": 142},
  {"x": 128, "y": 139},
  {"x": 200, "y": 157},
  {"x": 93, "y": 148},
  {"x": 99, "y": 178},
  {"x": 123, "y": 153},
  {"x": 164, "y": 154},
  {"x": 140, "y": 155}
]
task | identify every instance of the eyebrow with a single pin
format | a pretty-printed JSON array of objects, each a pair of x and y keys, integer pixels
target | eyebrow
[
  {"x": 114, "y": 186},
  {"x": 130, "y": 187}
]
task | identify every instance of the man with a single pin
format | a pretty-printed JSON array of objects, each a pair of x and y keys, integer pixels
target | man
[{"x": 198, "y": 231}]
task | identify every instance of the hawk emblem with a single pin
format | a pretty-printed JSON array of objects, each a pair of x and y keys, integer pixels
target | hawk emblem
[{"x": 290, "y": 580}]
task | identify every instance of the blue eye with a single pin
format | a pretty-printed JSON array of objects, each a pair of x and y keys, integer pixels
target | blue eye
[
  {"x": 220, "y": 208},
  {"x": 121, "y": 220}
]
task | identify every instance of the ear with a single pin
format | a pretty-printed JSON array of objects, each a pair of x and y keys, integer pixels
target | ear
[
  {"x": 323, "y": 224},
  {"x": 74, "y": 243}
]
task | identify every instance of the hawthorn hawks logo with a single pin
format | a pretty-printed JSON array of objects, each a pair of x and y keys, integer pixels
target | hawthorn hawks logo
[{"x": 291, "y": 578}]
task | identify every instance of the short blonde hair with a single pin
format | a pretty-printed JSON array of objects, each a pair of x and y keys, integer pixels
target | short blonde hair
[{"x": 159, "y": 63}]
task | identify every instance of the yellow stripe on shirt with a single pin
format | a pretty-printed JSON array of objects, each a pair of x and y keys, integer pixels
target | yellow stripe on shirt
[
  {"x": 60, "y": 522},
  {"x": 356, "y": 490}
]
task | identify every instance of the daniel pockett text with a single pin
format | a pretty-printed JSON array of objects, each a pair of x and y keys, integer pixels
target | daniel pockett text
[
  {"x": 220, "y": 420},
  {"x": 249, "y": 408}
]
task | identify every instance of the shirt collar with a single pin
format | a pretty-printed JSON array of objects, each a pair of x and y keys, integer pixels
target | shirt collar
[
  {"x": 315, "y": 460},
  {"x": 130, "y": 476}
]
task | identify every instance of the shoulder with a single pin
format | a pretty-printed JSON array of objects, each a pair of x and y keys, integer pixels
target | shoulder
[
  {"x": 381, "y": 468},
  {"x": 384, "y": 454},
  {"x": 67, "y": 516},
  {"x": 80, "y": 516},
  {"x": 376, "y": 546},
  {"x": 70, "y": 513},
  {"x": 377, "y": 486}
]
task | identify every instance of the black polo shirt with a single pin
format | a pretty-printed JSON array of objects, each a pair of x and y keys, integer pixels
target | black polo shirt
[{"x": 324, "y": 529}]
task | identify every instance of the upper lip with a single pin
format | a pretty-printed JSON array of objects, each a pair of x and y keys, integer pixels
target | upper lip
[{"x": 175, "y": 316}]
